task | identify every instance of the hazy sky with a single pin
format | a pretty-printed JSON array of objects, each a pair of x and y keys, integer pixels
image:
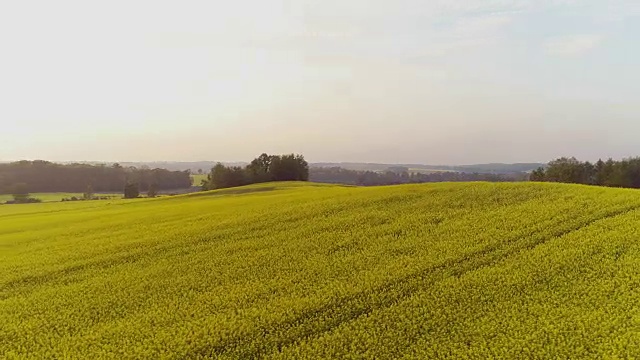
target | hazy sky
[{"x": 430, "y": 81}]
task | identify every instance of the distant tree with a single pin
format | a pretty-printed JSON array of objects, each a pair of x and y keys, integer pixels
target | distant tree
[
  {"x": 153, "y": 190},
  {"x": 633, "y": 172},
  {"x": 42, "y": 176},
  {"x": 289, "y": 168},
  {"x": 262, "y": 169},
  {"x": 537, "y": 174},
  {"x": 226, "y": 177},
  {"x": 20, "y": 193},
  {"x": 200, "y": 171},
  {"x": 589, "y": 173},
  {"x": 259, "y": 170},
  {"x": 568, "y": 170},
  {"x": 131, "y": 191},
  {"x": 88, "y": 194},
  {"x": 218, "y": 176},
  {"x": 624, "y": 173},
  {"x": 601, "y": 172}
]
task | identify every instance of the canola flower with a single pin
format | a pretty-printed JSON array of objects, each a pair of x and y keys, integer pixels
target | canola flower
[{"x": 292, "y": 270}]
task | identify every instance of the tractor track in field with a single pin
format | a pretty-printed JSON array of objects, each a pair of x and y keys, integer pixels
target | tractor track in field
[{"x": 315, "y": 322}]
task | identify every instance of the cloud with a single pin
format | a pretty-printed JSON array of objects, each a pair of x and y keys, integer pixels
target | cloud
[{"x": 573, "y": 45}]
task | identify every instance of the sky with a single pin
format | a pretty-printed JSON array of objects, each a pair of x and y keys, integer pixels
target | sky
[{"x": 402, "y": 81}]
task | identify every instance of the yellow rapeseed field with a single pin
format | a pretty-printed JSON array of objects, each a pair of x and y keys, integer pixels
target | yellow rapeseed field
[{"x": 293, "y": 271}]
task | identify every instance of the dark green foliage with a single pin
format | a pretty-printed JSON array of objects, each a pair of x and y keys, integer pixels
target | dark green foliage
[
  {"x": 42, "y": 176},
  {"x": 264, "y": 168},
  {"x": 28, "y": 200},
  {"x": 260, "y": 169},
  {"x": 289, "y": 168},
  {"x": 153, "y": 191},
  {"x": 20, "y": 193},
  {"x": 537, "y": 174},
  {"x": 73, "y": 198},
  {"x": 624, "y": 173},
  {"x": 569, "y": 170},
  {"x": 131, "y": 191},
  {"x": 224, "y": 177}
]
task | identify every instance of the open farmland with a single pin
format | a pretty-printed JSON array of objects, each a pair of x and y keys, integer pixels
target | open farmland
[{"x": 294, "y": 270}]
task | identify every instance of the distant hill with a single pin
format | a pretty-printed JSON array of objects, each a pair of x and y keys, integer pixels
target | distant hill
[{"x": 310, "y": 271}]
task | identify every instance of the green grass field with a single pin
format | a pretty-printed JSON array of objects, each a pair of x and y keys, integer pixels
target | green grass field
[
  {"x": 197, "y": 179},
  {"x": 292, "y": 271}
]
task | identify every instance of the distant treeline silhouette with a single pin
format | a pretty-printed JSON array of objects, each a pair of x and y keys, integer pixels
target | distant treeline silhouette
[
  {"x": 264, "y": 168},
  {"x": 43, "y": 176},
  {"x": 624, "y": 173},
  {"x": 399, "y": 175}
]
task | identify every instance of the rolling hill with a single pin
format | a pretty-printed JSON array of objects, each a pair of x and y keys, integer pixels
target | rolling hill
[{"x": 297, "y": 270}]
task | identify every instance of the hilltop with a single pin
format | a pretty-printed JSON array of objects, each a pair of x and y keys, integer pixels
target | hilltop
[{"x": 303, "y": 270}]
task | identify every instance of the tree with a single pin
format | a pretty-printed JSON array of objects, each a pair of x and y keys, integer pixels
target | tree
[
  {"x": 131, "y": 191},
  {"x": 260, "y": 168},
  {"x": 568, "y": 170},
  {"x": 153, "y": 191},
  {"x": 589, "y": 173},
  {"x": 601, "y": 171},
  {"x": 48, "y": 177},
  {"x": 289, "y": 168},
  {"x": 88, "y": 194},
  {"x": 20, "y": 193},
  {"x": 224, "y": 177},
  {"x": 624, "y": 173},
  {"x": 537, "y": 175},
  {"x": 217, "y": 177},
  {"x": 614, "y": 172}
]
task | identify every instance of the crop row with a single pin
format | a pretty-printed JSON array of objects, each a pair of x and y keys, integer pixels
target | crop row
[{"x": 428, "y": 271}]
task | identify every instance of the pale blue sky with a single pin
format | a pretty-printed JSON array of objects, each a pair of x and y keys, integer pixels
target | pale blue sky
[{"x": 380, "y": 81}]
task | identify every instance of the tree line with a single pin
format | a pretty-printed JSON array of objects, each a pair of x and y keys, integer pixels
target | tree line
[
  {"x": 264, "y": 168},
  {"x": 400, "y": 175},
  {"x": 623, "y": 173},
  {"x": 43, "y": 176}
]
